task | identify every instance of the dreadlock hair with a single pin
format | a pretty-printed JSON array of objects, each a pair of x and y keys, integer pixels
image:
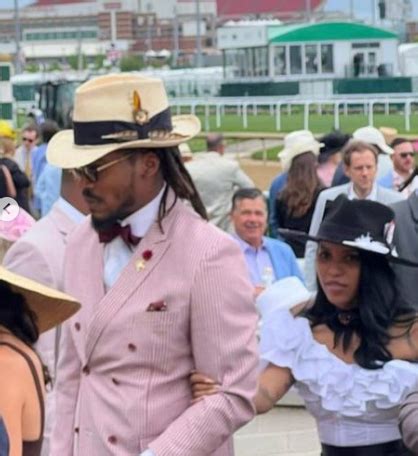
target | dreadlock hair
[{"x": 177, "y": 178}]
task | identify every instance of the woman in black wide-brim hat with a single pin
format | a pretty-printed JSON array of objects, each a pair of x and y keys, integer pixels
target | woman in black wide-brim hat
[{"x": 350, "y": 353}]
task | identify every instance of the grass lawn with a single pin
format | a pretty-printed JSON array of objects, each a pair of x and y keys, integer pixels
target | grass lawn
[{"x": 317, "y": 123}]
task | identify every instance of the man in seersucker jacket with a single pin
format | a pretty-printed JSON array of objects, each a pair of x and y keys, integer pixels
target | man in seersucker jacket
[{"x": 163, "y": 292}]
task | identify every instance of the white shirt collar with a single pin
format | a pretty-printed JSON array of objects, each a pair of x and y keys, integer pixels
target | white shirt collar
[
  {"x": 372, "y": 196},
  {"x": 143, "y": 218},
  {"x": 70, "y": 211}
]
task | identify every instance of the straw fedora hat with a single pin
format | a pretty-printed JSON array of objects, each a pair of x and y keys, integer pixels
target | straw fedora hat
[
  {"x": 297, "y": 143},
  {"x": 119, "y": 111},
  {"x": 50, "y": 306}
]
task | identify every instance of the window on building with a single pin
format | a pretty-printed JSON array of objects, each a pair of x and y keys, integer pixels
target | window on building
[
  {"x": 261, "y": 61},
  {"x": 295, "y": 59},
  {"x": 249, "y": 64},
  {"x": 327, "y": 58},
  {"x": 279, "y": 59},
  {"x": 311, "y": 58}
]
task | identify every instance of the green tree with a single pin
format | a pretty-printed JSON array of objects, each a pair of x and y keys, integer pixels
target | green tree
[
  {"x": 32, "y": 67},
  {"x": 54, "y": 66},
  {"x": 73, "y": 61},
  {"x": 131, "y": 63},
  {"x": 98, "y": 61}
]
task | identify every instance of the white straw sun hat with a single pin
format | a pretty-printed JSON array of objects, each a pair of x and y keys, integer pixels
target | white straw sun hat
[
  {"x": 373, "y": 136},
  {"x": 119, "y": 111},
  {"x": 297, "y": 143}
]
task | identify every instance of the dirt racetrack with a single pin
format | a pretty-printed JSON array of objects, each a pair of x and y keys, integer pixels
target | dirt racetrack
[{"x": 261, "y": 173}]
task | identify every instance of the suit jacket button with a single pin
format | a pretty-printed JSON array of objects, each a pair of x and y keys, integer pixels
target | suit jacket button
[
  {"x": 77, "y": 326},
  {"x": 86, "y": 370},
  {"x": 131, "y": 347},
  {"x": 115, "y": 381},
  {"x": 76, "y": 430},
  {"x": 112, "y": 439}
]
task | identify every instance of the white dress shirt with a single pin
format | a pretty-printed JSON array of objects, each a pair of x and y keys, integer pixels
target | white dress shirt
[
  {"x": 70, "y": 211},
  {"x": 372, "y": 196},
  {"x": 116, "y": 253}
]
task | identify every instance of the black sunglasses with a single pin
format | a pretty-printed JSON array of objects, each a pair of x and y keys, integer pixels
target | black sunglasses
[
  {"x": 407, "y": 154},
  {"x": 29, "y": 140}
]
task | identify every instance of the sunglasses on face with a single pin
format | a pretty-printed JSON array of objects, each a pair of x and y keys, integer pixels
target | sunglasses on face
[
  {"x": 91, "y": 173},
  {"x": 407, "y": 154},
  {"x": 29, "y": 140}
]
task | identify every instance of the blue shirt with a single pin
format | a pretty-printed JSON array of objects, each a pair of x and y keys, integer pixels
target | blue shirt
[
  {"x": 258, "y": 260},
  {"x": 48, "y": 188},
  {"x": 4, "y": 440},
  {"x": 274, "y": 254}
]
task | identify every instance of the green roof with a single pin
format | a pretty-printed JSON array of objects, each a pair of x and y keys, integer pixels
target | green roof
[{"x": 326, "y": 31}]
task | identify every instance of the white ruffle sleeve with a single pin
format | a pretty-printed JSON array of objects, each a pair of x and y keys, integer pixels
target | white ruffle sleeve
[{"x": 344, "y": 388}]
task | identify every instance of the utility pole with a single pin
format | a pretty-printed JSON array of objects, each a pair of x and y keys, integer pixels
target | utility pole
[
  {"x": 175, "y": 38},
  {"x": 374, "y": 12},
  {"x": 308, "y": 10},
  {"x": 198, "y": 36},
  {"x": 352, "y": 10},
  {"x": 18, "y": 63}
]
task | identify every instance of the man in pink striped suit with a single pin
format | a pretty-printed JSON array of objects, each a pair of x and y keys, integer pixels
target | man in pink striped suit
[{"x": 163, "y": 292}]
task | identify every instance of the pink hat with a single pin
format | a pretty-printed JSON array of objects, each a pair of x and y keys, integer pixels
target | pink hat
[{"x": 11, "y": 231}]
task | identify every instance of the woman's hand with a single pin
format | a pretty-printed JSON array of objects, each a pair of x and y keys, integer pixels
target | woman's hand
[{"x": 202, "y": 386}]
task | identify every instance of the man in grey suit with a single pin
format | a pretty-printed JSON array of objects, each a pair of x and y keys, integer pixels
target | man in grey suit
[
  {"x": 360, "y": 165},
  {"x": 217, "y": 178},
  {"x": 405, "y": 239}
]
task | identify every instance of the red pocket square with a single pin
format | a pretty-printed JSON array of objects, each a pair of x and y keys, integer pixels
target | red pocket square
[{"x": 157, "y": 306}]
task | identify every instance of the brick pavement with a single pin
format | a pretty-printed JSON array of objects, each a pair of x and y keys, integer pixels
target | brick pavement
[{"x": 284, "y": 431}]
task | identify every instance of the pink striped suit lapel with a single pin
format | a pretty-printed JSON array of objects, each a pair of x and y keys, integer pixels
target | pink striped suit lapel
[{"x": 130, "y": 279}]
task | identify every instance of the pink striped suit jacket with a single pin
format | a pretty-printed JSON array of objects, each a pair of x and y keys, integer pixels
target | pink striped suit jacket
[{"x": 123, "y": 376}]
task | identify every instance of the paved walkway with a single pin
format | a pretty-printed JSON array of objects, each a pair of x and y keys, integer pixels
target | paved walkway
[{"x": 284, "y": 431}]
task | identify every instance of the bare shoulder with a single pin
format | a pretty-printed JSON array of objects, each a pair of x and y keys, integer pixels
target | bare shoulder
[
  {"x": 14, "y": 363},
  {"x": 15, "y": 374}
]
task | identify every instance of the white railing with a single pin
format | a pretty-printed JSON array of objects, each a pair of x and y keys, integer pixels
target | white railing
[{"x": 340, "y": 103}]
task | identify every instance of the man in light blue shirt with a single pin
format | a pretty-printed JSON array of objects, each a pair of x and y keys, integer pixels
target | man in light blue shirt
[{"x": 267, "y": 259}]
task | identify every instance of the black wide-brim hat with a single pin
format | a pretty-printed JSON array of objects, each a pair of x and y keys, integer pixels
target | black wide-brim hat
[
  {"x": 332, "y": 143},
  {"x": 361, "y": 224}
]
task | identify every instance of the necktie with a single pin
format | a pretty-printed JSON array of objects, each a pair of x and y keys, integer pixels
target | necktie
[{"x": 116, "y": 230}]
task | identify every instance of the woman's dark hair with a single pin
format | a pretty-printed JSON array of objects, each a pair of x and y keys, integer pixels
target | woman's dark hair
[
  {"x": 379, "y": 308},
  {"x": 302, "y": 185},
  {"x": 16, "y": 316}
]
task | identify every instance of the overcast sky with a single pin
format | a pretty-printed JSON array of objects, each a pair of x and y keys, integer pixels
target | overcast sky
[{"x": 362, "y": 7}]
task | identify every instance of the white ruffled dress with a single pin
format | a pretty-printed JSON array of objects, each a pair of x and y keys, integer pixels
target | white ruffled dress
[{"x": 353, "y": 406}]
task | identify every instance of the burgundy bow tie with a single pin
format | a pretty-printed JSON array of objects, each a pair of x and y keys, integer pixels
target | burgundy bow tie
[{"x": 116, "y": 230}]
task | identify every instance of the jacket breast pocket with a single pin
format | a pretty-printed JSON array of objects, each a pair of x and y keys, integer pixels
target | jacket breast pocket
[{"x": 161, "y": 336}]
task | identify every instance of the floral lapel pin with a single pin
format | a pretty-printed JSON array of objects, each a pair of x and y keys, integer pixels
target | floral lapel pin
[{"x": 140, "y": 264}]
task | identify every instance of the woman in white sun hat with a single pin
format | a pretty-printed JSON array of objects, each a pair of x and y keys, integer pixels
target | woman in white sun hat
[
  {"x": 295, "y": 203},
  {"x": 26, "y": 310},
  {"x": 351, "y": 353}
]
